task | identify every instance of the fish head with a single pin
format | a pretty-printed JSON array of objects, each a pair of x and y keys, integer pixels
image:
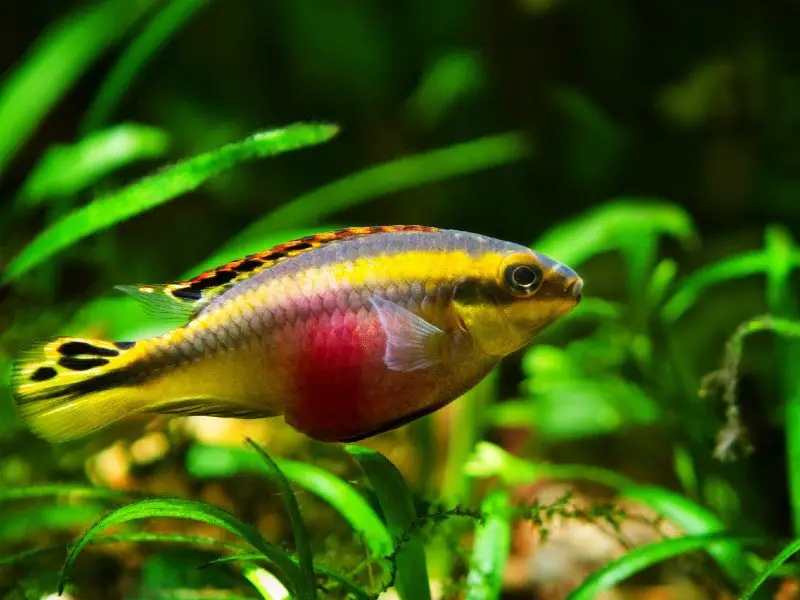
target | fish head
[{"x": 517, "y": 297}]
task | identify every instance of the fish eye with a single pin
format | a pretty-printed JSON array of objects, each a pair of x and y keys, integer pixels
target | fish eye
[{"x": 523, "y": 279}]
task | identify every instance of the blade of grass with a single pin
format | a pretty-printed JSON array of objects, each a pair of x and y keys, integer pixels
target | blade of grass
[
  {"x": 219, "y": 461},
  {"x": 782, "y": 302},
  {"x": 74, "y": 491},
  {"x": 159, "y": 188},
  {"x": 401, "y": 174},
  {"x": 21, "y": 524},
  {"x": 157, "y": 32},
  {"x": 267, "y": 584},
  {"x": 65, "y": 170},
  {"x": 491, "y": 548},
  {"x": 306, "y": 589},
  {"x": 397, "y": 504},
  {"x": 490, "y": 460},
  {"x": 183, "y": 509},
  {"x": 643, "y": 557},
  {"x": 754, "y": 262},
  {"x": 771, "y": 568},
  {"x": 55, "y": 62}
]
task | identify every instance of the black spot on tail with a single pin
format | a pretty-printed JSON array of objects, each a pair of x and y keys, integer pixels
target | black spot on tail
[
  {"x": 81, "y": 364},
  {"x": 43, "y": 374},
  {"x": 76, "y": 348},
  {"x": 124, "y": 345}
]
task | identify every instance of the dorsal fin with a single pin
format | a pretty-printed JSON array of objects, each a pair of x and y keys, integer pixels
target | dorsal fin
[{"x": 184, "y": 299}]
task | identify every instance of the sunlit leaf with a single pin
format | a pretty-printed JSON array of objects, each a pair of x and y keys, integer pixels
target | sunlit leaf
[
  {"x": 490, "y": 548},
  {"x": 67, "y": 169},
  {"x": 218, "y": 461},
  {"x": 147, "y": 43},
  {"x": 307, "y": 583},
  {"x": 55, "y": 62},
  {"x": 183, "y": 509},
  {"x": 159, "y": 188},
  {"x": 398, "y": 509},
  {"x": 643, "y": 557}
]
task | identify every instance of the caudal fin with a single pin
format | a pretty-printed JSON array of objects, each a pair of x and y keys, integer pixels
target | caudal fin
[{"x": 66, "y": 388}]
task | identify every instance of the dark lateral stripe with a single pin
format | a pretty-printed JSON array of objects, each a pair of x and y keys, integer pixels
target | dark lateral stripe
[
  {"x": 101, "y": 383},
  {"x": 76, "y": 348},
  {"x": 81, "y": 364}
]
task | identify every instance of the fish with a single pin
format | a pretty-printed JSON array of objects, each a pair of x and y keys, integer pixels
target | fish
[{"x": 346, "y": 334}]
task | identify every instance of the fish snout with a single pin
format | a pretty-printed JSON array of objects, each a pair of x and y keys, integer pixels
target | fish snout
[{"x": 574, "y": 289}]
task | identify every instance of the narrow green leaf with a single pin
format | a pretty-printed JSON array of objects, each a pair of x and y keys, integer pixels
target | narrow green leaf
[
  {"x": 183, "y": 509},
  {"x": 620, "y": 225},
  {"x": 643, "y": 557},
  {"x": 754, "y": 262},
  {"x": 306, "y": 589},
  {"x": 136, "y": 55},
  {"x": 159, "y": 188},
  {"x": 401, "y": 174},
  {"x": 218, "y": 461},
  {"x": 67, "y": 169},
  {"x": 26, "y": 523},
  {"x": 55, "y": 62},
  {"x": 71, "y": 491},
  {"x": 491, "y": 548},
  {"x": 490, "y": 460},
  {"x": 790, "y": 550},
  {"x": 398, "y": 509}
]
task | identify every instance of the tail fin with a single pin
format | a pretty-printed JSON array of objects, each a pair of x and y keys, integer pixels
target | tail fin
[{"x": 66, "y": 388}]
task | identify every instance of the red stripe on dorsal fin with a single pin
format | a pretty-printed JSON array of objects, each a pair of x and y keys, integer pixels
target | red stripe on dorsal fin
[{"x": 186, "y": 298}]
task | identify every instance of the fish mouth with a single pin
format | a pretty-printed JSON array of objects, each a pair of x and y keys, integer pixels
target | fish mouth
[{"x": 574, "y": 290}]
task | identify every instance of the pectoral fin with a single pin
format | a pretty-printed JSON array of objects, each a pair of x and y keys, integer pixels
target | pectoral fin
[{"x": 411, "y": 341}]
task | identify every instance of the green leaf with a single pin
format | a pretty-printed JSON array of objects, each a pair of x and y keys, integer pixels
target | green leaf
[
  {"x": 159, "y": 188},
  {"x": 621, "y": 225},
  {"x": 490, "y": 460},
  {"x": 790, "y": 550},
  {"x": 183, "y": 509},
  {"x": 571, "y": 408},
  {"x": 219, "y": 461},
  {"x": 754, "y": 262},
  {"x": 25, "y": 523},
  {"x": 306, "y": 589},
  {"x": 70, "y": 491},
  {"x": 643, "y": 557},
  {"x": 398, "y": 509},
  {"x": 491, "y": 548},
  {"x": 144, "y": 46},
  {"x": 67, "y": 169},
  {"x": 55, "y": 62},
  {"x": 401, "y": 174}
]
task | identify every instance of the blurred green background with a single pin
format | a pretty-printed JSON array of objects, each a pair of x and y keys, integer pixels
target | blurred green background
[{"x": 652, "y": 146}]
